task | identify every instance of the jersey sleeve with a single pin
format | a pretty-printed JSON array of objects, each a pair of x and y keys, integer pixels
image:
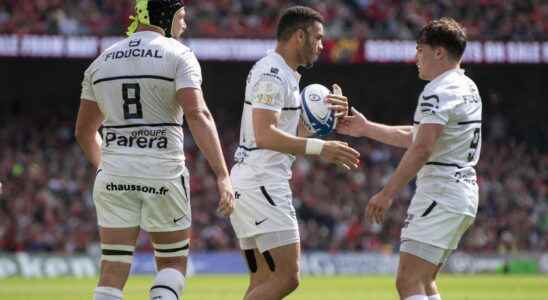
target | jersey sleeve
[
  {"x": 87, "y": 86},
  {"x": 268, "y": 93},
  {"x": 188, "y": 73},
  {"x": 437, "y": 108}
]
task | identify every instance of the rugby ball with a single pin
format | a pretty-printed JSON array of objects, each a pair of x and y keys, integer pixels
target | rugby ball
[{"x": 317, "y": 116}]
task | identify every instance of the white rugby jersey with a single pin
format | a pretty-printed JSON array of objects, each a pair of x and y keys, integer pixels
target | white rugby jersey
[
  {"x": 134, "y": 84},
  {"x": 451, "y": 99},
  {"x": 273, "y": 85}
]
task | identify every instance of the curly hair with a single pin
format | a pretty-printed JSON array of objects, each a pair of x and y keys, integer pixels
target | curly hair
[{"x": 446, "y": 33}]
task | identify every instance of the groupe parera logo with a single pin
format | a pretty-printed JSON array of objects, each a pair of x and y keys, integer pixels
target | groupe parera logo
[{"x": 121, "y": 140}]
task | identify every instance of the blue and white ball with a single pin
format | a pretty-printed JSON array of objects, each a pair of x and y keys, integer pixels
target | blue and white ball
[{"x": 318, "y": 117}]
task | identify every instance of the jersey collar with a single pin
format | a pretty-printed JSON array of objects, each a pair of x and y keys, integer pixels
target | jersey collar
[
  {"x": 276, "y": 56},
  {"x": 436, "y": 81}
]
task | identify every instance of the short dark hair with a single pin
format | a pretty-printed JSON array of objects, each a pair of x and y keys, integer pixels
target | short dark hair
[
  {"x": 446, "y": 33},
  {"x": 295, "y": 18}
]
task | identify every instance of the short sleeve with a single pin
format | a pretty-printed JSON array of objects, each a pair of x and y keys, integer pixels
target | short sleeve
[
  {"x": 188, "y": 73},
  {"x": 87, "y": 86},
  {"x": 437, "y": 108},
  {"x": 268, "y": 93}
]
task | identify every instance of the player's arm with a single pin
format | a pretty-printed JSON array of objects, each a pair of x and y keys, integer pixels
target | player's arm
[
  {"x": 188, "y": 81},
  {"x": 268, "y": 136},
  {"x": 413, "y": 160},
  {"x": 357, "y": 125},
  {"x": 87, "y": 123},
  {"x": 203, "y": 128},
  {"x": 204, "y": 131}
]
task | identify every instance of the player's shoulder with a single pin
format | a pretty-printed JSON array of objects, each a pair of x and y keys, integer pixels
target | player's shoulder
[
  {"x": 114, "y": 47},
  {"x": 175, "y": 48},
  {"x": 269, "y": 68},
  {"x": 175, "y": 45},
  {"x": 449, "y": 87}
]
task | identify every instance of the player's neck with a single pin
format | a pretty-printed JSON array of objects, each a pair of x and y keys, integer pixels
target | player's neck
[
  {"x": 289, "y": 56},
  {"x": 444, "y": 68}
]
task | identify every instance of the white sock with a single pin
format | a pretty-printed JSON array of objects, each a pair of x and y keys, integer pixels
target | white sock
[
  {"x": 168, "y": 285},
  {"x": 107, "y": 293},
  {"x": 417, "y": 297},
  {"x": 434, "y": 297}
]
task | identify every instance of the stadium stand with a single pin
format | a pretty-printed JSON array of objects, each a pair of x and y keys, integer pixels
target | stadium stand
[
  {"x": 519, "y": 20},
  {"x": 46, "y": 205}
]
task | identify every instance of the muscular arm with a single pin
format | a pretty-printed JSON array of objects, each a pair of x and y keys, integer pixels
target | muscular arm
[
  {"x": 87, "y": 123},
  {"x": 414, "y": 158},
  {"x": 203, "y": 129},
  {"x": 268, "y": 136},
  {"x": 357, "y": 125},
  {"x": 399, "y": 136}
]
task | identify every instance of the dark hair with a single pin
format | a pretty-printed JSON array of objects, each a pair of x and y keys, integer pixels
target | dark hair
[
  {"x": 295, "y": 18},
  {"x": 446, "y": 33}
]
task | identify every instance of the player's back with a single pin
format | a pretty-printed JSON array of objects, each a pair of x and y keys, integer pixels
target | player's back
[{"x": 134, "y": 83}]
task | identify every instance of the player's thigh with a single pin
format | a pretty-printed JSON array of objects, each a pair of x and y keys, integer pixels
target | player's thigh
[
  {"x": 117, "y": 201},
  {"x": 171, "y": 249},
  {"x": 416, "y": 268},
  {"x": 166, "y": 205},
  {"x": 431, "y": 223},
  {"x": 270, "y": 253},
  {"x": 285, "y": 259},
  {"x": 125, "y": 236},
  {"x": 259, "y": 270}
]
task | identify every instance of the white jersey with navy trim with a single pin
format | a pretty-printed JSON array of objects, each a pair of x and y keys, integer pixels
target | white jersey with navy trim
[
  {"x": 273, "y": 85},
  {"x": 452, "y": 100},
  {"x": 134, "y": 84}
]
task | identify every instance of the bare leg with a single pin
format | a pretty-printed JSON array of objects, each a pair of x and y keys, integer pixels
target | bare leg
[
  {"x": 285, "y": 278},
  {"x": 415, "y": 276},
  {"x": 261, "y": 272}
]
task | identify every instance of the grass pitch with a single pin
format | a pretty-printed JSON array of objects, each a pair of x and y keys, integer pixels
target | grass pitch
[{"x": 475, "y": 287}]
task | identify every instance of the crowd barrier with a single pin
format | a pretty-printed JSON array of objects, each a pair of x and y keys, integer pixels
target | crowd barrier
[{"x": 30, "y": 265}]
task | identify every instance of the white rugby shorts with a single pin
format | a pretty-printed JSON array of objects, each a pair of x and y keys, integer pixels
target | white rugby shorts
[
  {"x": 155, "y": 205},
  {"x": 263, "y": 209},
  {"x": 431, "y": 223}
]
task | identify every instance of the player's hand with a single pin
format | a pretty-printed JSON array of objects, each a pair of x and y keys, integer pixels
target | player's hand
[
  {"x": 338, "y": 102},
  {"x": 377, "y": 207},
  {"x": 226, "y": 193},
  {"x": 340, "y": 154},
  {"x": 352, "y": 125}
]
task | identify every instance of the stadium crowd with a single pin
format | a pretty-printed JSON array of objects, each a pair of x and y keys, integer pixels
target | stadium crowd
[
  {"x": 356, "y": 19},
  {"x": 46, "y": 203}
]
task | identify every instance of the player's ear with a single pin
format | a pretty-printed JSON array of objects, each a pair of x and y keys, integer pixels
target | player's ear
[
  {"x": 301, "y": 36},
  {"x": 440, "y": 53}
]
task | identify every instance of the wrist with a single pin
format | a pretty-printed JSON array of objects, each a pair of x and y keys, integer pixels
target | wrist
[
  {"x": 365, "y": 128},
  {"x": 223, "y": 176},
  {"x": 314, "y": 146},
  {"x": 388, "y": 193}
]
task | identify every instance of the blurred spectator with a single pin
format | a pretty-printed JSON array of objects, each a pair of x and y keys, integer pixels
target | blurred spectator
[
  {"x": 357, "y": 19},
  {"x": 47, "y": 204}
]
